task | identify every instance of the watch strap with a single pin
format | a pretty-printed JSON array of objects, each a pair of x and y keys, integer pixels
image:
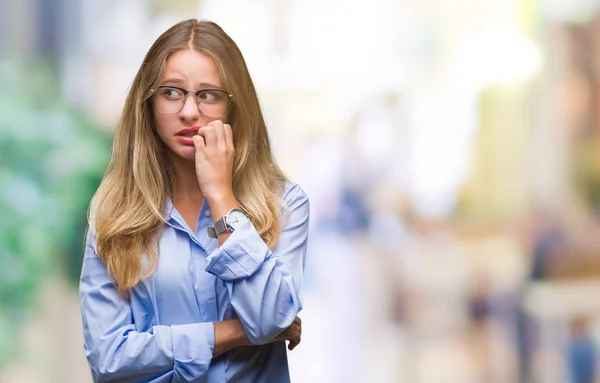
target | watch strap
[{"x": 219, "y": 228}]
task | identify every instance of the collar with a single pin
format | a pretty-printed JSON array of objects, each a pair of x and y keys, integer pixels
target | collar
[{"x": 169, "y": 208}]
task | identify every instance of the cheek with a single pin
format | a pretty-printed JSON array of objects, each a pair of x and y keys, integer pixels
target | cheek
[
  {"x": 226, "y": 119},
  {"x": 164, "y": 125}
]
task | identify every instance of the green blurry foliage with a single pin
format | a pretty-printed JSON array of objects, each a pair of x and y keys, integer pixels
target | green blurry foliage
[{"x": 52, "y": 158}]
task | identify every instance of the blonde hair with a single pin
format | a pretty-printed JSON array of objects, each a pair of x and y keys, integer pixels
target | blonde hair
[{"x": 127, "y": 213}]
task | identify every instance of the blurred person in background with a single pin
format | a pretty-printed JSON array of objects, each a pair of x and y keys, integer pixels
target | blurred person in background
[
  {"x": 581, "y": 352},
  {"x": 193, "y": 266}
]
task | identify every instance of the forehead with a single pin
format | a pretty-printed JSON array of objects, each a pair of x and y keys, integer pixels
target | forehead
[{"x": 190, "y": 68}]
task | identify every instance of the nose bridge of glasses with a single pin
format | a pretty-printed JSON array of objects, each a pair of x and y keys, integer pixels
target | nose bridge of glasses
[{"x": 184, "y": 100}]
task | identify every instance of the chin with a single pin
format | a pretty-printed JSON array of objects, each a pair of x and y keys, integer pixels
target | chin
[
  {"x": 184, "y": 152},
  {"x": 188, "y": 153}
]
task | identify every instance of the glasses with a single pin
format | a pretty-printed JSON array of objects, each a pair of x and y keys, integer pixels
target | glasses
[{"x": 211, "y": 102}]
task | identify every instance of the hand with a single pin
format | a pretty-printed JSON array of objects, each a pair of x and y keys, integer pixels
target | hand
[
  {"x": 214, "y": 158},
  {"x": 292, "y": 333}
]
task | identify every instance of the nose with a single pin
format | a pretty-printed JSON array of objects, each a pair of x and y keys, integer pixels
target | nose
[{"x": 190, "y": 111}]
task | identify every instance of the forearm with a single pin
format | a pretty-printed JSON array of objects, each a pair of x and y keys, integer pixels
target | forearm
[
  {"x": 266, "y": 302},
  {"x": 229, "y": 334}
]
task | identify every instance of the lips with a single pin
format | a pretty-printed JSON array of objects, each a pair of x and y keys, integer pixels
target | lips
[
  {"x": 188, "y": 132},
  {"x": 184, "y": 136}
]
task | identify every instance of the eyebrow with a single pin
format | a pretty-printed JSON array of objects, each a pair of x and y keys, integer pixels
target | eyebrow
[{"x": 178, "y": 81}]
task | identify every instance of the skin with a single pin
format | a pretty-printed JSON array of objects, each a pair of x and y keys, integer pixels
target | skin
[{"x": 204, "y": 169}]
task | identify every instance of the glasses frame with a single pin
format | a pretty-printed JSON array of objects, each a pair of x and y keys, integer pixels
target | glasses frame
[{"x": 196, "y": 93}]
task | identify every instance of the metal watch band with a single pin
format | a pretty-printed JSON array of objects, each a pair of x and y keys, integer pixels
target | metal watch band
[{"x": 220, "y": 227}]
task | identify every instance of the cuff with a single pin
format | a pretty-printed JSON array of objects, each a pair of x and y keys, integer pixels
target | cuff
[
  {"x": 193, "y": 346},
  {"x": 240, "y": 256}
]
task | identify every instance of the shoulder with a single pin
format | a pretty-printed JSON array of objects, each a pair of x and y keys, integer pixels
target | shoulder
[
  {"x": 294, "y": 196},
  {"x": 90, "y": 237},
  {"x": 91, "y": 247}
]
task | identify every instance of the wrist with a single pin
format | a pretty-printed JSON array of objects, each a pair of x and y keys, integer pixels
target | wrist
[
  {"x": 217, "y": 195},
  {"x": 221, "y": 203},
  {"x": 241, "y": 339},
  {"x": 229, "y": 334}
]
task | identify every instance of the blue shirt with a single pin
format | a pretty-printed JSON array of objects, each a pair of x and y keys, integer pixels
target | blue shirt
[{"x": 165, "y": 331}]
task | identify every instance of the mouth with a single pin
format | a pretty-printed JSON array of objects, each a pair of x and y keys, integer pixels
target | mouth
[{"x": 188, "y": 132}]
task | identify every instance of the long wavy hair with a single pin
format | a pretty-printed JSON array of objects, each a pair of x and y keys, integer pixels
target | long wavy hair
[{"x": 127, "y": 213}]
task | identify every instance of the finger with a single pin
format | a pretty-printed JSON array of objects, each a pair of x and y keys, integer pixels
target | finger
[
  {"x": 298, "y": 320},
  {"x": 295, "y": 324},
  {"x": 229, "y": 138},
  {"x": 220, "y": 134},
  {"x": 293, "y": 340},
  {"x": 210, "y": 138},
  {"x": 293, "y": 344},
  {"x": 199, "y": 144},
  {"x": 291, "y": 334}
]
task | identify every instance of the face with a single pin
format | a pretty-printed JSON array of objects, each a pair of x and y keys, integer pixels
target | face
[{"x": 186, "y": 69}]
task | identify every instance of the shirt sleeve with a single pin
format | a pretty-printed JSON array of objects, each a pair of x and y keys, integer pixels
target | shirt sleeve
[
  {"x": 265, "y": 287},
  {"x": 116, "y": 352}
]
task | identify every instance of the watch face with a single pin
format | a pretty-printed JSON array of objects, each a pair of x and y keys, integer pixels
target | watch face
[{"x": 236, "y": 216}]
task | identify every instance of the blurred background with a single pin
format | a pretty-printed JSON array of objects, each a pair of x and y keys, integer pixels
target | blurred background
[{"x": 450, "y": 149}]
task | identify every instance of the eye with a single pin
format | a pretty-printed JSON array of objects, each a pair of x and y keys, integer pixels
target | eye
[
  {"x": 210, "y": 96},
  {"x": 171, "y": 93}
]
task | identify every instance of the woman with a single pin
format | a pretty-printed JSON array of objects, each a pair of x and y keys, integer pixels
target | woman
[{"x": 193, "y": 263}]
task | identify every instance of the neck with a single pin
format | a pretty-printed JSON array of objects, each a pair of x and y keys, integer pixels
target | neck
[{"x": 185, "y": 184}]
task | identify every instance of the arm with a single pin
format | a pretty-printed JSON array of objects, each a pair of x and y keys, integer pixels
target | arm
[
  {"x": 116, "y": 351},
  {"x": 265, "y": 286}
]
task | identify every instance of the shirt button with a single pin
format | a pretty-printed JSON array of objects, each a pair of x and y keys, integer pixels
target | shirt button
[{"x": 207, "y": 213}]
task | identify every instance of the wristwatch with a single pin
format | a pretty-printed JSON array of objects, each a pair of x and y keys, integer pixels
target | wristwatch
[{"x": 228, "y": 222}]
